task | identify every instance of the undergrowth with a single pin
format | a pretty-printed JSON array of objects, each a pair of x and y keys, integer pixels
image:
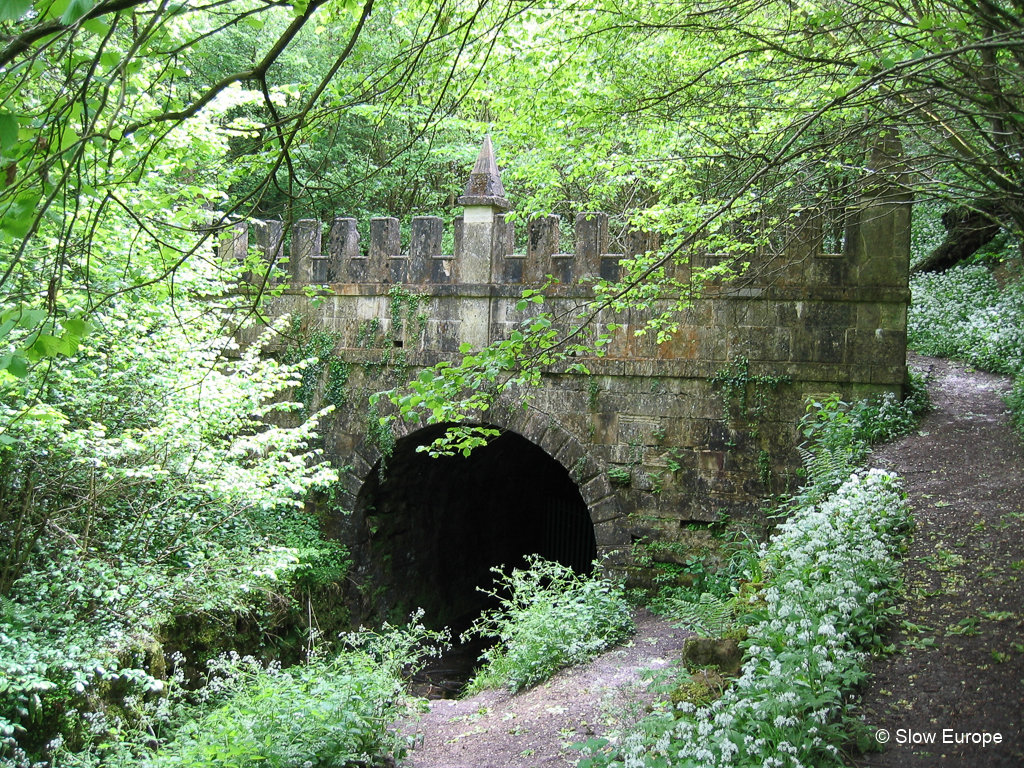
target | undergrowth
[
  {"x": 830, "y": 578},
  {"x": 811, "y": 605},
  {"x": 549, "y": 617},
  {"x": 158, "y": 487},
  {"x": 333, "y": 710}
]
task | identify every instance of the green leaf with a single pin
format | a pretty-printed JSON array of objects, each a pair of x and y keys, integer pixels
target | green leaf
[
  {"x": 30, "y": 318},
  {"x": 48, "y": 346},
  {"x": 76, "y": 10},
  {"x": 96, "y": 26},
  {"x": 15, "y": 364},
  {"x": 8, "y": 131},
  {"x": 17, "y": 215},
  {"x": 12, "y": 10},
  {"x": 51, "y": 10},
  {"x": 76, "y": 326}
]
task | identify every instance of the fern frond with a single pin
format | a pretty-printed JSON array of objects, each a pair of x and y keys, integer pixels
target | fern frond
[{"x": 708, "y": 615}]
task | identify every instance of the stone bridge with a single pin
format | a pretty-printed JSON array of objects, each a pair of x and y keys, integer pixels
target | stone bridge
[{"x": 650, "y": 458}]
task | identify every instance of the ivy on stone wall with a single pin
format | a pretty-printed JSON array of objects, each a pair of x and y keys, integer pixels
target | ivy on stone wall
[
  {"x": 745, "y": 397},
  {"x": 325, "y": 372},
  {"x": 745, "y": 400}
]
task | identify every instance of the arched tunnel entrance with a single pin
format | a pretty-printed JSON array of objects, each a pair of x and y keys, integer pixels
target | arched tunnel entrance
[{"x": 438, "y": 525}]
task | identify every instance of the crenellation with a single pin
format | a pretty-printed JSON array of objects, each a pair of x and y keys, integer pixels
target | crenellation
[
  {"x": 385, "y": 242},
  {"x": 483, "y": 251},
  {"x": 269, "y": 237},
  {"x": 306, "y": 241},
  {"x": 591, "y": 230},
  {"x": 542, "y": 241},
  {"x": 425, "y": 239}
]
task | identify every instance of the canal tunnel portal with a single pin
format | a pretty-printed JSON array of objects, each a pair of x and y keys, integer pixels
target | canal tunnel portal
[{"x": 666, "y": 440}]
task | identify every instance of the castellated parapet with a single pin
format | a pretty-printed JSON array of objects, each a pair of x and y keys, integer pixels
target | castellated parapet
[{"x": 656, "y": 448}]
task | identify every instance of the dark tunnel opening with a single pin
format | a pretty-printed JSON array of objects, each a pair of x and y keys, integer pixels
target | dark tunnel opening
[{"x": 438, "y": 525}]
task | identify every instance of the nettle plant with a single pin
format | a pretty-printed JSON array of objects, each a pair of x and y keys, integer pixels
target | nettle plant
[{"x": 831, "y": 574}]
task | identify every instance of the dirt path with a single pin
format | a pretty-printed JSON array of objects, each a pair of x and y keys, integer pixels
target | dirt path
[
  {"x": 960, "y": 659},
  {"x": 535, "y": 728},
  {"x": 960, "y": 666}
]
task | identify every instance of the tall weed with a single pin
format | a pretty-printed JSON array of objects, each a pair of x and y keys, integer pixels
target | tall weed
[{"x": 549, "y": 617}]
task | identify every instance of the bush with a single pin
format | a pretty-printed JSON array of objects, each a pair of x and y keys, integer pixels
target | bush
[
  {"x": 328, "y": 712},
  {"x": 156, "y": 482},
  {"x": 331, "y": 711},
  {"x": 550, "y": 617}
]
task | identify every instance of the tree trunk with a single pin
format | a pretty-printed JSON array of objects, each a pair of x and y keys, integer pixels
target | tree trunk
[{"x": 968, "y": 228}]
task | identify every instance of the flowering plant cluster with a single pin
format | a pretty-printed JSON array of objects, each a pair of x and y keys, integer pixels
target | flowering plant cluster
[
  {"x": 962, "y": 313},
  {"x": 831, "y": 572},
  {"x": 548, "y": 617}
]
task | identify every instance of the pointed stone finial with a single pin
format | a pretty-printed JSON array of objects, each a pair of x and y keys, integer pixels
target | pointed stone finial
[{"x": 484, "y": 185}]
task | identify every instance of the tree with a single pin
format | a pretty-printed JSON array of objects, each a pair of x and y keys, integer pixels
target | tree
[
  {"x": 711, "y": 122},
  {"x": 121, "y": 122},
  {"x": 661, "y": 104},
  {"x": 148, "y": 469}
]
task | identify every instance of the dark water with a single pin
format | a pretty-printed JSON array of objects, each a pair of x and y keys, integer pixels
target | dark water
[{"x": 446, "y": 676}]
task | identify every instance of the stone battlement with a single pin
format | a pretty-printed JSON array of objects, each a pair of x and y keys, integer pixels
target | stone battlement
[{"x": 331, "y": 253}]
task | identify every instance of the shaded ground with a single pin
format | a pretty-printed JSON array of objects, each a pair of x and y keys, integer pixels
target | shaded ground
[
  {"x": 960, "y": 662},
  {"x": 959, "y": 635},
  {"x": 496, "y": 730}
]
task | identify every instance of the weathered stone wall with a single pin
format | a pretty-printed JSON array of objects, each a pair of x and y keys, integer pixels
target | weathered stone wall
[{"x": 660, "y": 451}]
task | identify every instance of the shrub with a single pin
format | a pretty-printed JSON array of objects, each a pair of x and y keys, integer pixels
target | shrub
[
  {"x": 331, "y": 711},
  {"x": 549, "y": 617},
  {"x": 160, "y": 481},
  {"x": 328, "y": 712}
]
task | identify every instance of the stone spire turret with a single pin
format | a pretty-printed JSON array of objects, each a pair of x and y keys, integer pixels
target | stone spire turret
[
  {"x": 483, "y": 204},
  {"x": 484, "y": 186}
]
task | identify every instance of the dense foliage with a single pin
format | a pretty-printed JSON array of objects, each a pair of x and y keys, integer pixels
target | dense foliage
[
  {"x": 549, "y": 617},
  {"x": 149, "y": 482},
  {"x": 334, "y": 710}
]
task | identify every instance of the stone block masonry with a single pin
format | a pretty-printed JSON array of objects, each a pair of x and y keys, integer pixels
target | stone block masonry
[{"x": 668, "y": 442}]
